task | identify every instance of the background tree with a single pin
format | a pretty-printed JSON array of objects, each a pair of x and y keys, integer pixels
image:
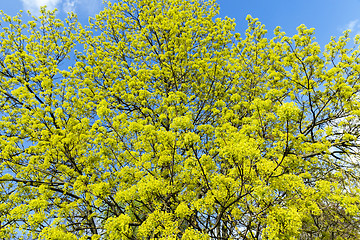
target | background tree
[{"x": 157, "y": 121}]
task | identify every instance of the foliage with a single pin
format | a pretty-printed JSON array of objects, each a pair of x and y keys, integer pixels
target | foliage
[{"x": 158, "y": 121}]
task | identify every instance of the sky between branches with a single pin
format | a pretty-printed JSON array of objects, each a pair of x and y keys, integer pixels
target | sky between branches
[{"x": 328, "y": 17}]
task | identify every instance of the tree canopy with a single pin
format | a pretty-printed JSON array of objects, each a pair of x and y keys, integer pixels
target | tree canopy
[{"x": 158, "y": 121}]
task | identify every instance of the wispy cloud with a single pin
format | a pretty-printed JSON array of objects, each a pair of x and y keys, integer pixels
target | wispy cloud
[
  {"x": 88, "y": 6},
  {"x": 353, "y": 26},
  {"x": 34, "y": 5},
  {"x": 70, "y": 5}
]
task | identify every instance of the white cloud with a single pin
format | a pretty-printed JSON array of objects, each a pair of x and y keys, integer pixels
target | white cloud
[
  {"x": 88, "y": 6},
  {"x": 353, "y": 25},
  {"x": 34, "y": 5},
  {"x": 70, "y": 5}
]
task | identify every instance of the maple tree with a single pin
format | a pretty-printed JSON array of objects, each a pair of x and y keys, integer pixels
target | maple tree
[{"x": 159, "y": 121}]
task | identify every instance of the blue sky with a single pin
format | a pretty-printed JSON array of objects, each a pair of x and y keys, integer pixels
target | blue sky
[{"x": 328, "y": 17}]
